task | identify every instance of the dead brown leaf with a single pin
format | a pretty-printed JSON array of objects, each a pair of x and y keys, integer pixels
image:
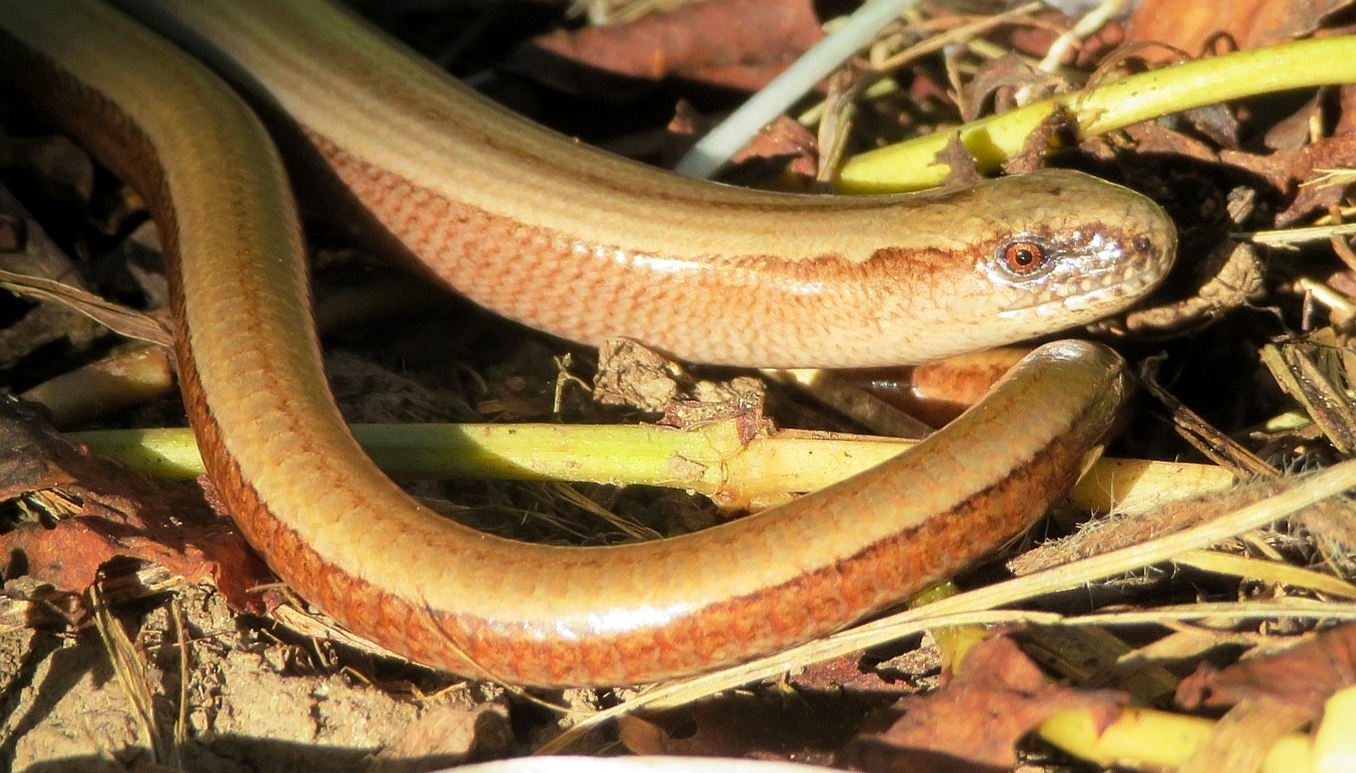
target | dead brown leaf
[
  {"x": 1302, "y": 677},
  {"x": 1152, "y": 137},
  {"x": 1006, "y": 72},
  {"x": 1296, "y": 129},
  {"x": 975, "y": 721},
  {"x": 1191, "y": 25},
  {"x": 736, "y": 44},
  {"x": 961, "y": 162},
  {"x": 1055, "y": 130},
  {"x": 1309, "y": 167},
  {"x": 1346, "y": 110},
  {"x": 109, "y": 513},
  {"x": 847, "y": 674},
  {"x": 783, "y": 142}
]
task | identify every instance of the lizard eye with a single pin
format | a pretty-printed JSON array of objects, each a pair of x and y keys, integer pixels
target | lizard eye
[{"x": 1023, "y": 258}]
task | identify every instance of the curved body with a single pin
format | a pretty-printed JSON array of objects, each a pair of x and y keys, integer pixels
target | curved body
[
  {"x": 586, "y": 245},
  {"x": 610, "y": 246}
]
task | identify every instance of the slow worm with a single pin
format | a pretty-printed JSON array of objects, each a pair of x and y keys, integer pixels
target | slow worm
[{"x": 585, "y": 246}]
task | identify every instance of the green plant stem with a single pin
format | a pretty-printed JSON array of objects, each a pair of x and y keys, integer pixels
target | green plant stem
[
  {"x": 712, "y": 460},
  {"x": 913, "y": 165}
]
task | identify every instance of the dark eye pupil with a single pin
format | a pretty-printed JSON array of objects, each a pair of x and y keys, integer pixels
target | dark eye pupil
[{"x": 1023, "y": 257}]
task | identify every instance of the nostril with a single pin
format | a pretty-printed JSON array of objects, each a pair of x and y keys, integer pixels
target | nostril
[{"x": 1141, "y": 243}]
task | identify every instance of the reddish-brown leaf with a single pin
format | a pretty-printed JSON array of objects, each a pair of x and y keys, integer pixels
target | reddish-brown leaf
[
  {"x": 739, "y": 44},
  {"x": 1192, "y": 25},
  {"x": 116, "y": 513},
  {"x": 1302, "y": 677},
  {"x": 1286, "y": 169},
  {"x": 976, "y": 720}
]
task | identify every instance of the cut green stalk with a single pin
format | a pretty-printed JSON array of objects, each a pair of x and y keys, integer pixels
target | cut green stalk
[
  {"x": 913, "y": 165},
  {"x": 711, "y": 460}
]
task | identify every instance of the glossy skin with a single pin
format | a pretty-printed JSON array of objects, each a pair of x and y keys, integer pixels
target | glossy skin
[
  {"x": 588, "y": 246},
  {"x": 352, "y": 543}
]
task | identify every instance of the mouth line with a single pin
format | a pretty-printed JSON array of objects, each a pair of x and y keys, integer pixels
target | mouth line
[{"x": 1130, "y": 286}]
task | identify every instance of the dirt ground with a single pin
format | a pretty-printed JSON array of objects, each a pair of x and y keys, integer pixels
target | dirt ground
[{"x": 239, "y": 707}]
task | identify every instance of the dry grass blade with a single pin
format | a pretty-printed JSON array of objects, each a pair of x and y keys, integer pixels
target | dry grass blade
[
  {"x": 1274, "y": 572},
  {"x": 1305, "y": 492},
  {"x": 133, "y": 676},
  {"x": 119, "y": 319},
  {"x": 1297, "y": 369}
]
